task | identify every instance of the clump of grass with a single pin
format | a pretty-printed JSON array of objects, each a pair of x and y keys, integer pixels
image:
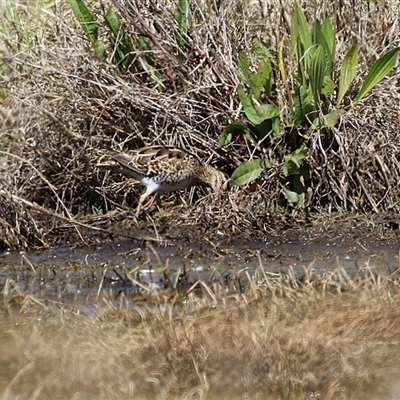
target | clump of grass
[{"x": 283, "y": 337}]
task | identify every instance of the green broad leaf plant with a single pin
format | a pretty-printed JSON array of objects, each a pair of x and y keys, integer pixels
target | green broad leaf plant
[{"x": 313, "y": 100}]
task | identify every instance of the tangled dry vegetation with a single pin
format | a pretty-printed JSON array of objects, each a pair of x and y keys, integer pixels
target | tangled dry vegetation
[
  {"x": 328, "y": 337},
  {"x": 61, "y": 109}
]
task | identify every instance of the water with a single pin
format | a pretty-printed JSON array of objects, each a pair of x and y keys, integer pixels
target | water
[{"x": 80, "y": 276}]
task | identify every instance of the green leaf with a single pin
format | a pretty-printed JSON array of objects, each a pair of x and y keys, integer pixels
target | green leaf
[
  {"x": 249, "y": 108},
  {"x": 300, "y": 36},
  {"x": 276, "y": 127},
  {"x": 328, "y": 86},
  {"x": 265, "y": 71},
  {"x": 261, "y": 49},
  {"x": 262, "y": 79},
  {"x": 301, "y": 153},
  {"x": 291, "y": 197},
  {"x": 244, "y": 67},
  {"x": 89, "y": 26},
  {"x": 248, "y": 172},
  {"x": 320, "y": 39},
  {"x": 113, "y": 23},
  {"x": 124, "y": 47},
  {"x": 256, "y": 85},
  {"x": 316, "y": 73},
  {"x": 329, "y": 35},
  {"x": 379, "y": 70},
  {"x": 328, "y": 120},
  {"x": 267, "y": 111},
  {"x": 290, "y": 167},
  {"x": 227, "y": 135},
  {"x": 85, "y": 18},
  {"x": 294, "y": 161},
  {"x": 302, "y": 104},
  {"x": 99, "y": 49},
  {"x": 144, "y": 43},
  {"x": 348, "y": 71},
  {"x": 272, "y": 125},
  {"x": 224, "y": 140},
  {"x": 148, "y": 61},
  {"x": 182, "y": 18}
]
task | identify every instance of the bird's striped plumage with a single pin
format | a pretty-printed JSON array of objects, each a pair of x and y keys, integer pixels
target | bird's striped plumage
[{"x": 166, "y": 169}]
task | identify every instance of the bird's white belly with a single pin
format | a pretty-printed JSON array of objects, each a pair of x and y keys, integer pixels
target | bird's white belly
[{"x": 152, "y": 186}]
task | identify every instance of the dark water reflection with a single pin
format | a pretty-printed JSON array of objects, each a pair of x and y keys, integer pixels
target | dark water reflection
[{"x": 84, "y": 274}]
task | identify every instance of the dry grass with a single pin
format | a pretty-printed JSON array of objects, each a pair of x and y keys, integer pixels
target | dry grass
[
  {"x": 64, "y": 108},
  {"x": 284, "y": 338}
]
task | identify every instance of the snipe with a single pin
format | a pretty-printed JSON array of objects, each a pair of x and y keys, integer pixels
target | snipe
[{"x": 166, "y": 169}]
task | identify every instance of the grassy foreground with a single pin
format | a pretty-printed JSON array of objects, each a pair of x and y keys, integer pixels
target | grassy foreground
[{"x": 327, "y": 337}]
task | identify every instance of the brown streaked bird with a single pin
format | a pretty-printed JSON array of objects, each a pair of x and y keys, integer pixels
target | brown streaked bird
[{"x": 167, "y": 169}]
